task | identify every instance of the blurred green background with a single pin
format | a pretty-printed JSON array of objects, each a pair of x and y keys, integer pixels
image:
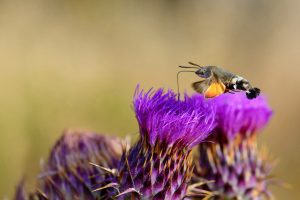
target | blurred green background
[{"x": 75, "y": 64}]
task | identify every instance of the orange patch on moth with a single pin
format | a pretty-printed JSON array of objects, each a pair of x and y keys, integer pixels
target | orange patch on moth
[{"x": 215, "y": 89}]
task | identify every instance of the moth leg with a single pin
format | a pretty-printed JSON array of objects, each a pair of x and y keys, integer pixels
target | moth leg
[{"x": 230, "y": 92}]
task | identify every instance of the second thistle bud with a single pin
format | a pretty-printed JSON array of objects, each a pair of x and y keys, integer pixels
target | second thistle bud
[{"x": 232, "y": 165}]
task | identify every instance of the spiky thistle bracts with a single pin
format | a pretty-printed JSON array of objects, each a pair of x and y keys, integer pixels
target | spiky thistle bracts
[
  {"x": 233, "y": 165},
  {"x": 159, "y": 165},
  {"x": 71, "y": 172},
  {"x": 237, "y": 170}
]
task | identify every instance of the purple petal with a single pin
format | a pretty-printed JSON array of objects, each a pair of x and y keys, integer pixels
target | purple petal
[
  {"x": 237, "y": 114},
  {"x": 164, "y": 118}
]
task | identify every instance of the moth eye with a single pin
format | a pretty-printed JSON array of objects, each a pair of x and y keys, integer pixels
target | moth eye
[
  {"x": 204, "y": 73},
  {"x": 201, "y": 72}
]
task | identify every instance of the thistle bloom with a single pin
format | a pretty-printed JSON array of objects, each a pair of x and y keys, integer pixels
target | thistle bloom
[
  {"x": 232, "y": 164},
  {"x": 159, "y": 165},
  {"x": 69, "y": 174},
  {"x": 238, "y": 115}
]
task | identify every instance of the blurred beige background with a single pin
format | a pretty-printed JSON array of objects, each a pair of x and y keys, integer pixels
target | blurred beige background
[{"x": 75, "y": 64}]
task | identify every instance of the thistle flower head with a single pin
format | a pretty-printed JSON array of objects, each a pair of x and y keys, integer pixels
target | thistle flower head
[
  {"x": 165, "y": 119},
  {"x": 237, "y": 114},
  {"x": 68, "y": 172},
  {"x": 74, "y": 147},
  {"x": 159, "y": 165},
  {"x": 233, "y": 164}
]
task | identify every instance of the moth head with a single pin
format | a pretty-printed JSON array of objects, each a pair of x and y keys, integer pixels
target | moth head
[{"x": 204, "y": 72}]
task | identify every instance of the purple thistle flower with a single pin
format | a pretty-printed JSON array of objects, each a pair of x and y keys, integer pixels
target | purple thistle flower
[
  {"x": 233, "y": 165},
  {"x": 238, "y": 115},
  {"x": 162, "y": 118},
  {"x": 69, "y": 174},
  {"x": 159, "y": 165}
]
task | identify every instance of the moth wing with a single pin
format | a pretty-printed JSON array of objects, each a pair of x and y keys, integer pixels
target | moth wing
[
  {"x": 201, "y": 86},
  {"x": 210, "y": 87},
  {"x": 216, "y": 88}
]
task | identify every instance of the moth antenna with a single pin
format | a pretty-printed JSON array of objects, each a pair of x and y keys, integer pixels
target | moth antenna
[
  {"x": 178, "y": 73},
  {"x": 191, "y": 63},
  {"x": 188, "y": 67}
]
